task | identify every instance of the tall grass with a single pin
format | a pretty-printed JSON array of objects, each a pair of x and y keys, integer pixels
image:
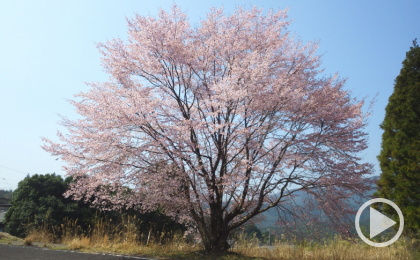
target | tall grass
[
  {"x": 126, "y": 238},
  {"x": 103, "y": 234},
  {"x": 336, "y": 248}
]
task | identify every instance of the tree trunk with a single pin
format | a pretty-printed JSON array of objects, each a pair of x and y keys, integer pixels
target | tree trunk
[
  {"x": 214, "y": 232},
  {"x": 217, "y": 242}
]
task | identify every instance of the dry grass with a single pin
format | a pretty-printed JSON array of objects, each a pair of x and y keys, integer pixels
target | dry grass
[
  {"x": 28, "y": 241},
  {"x": 128, "y": 243},
  {"x": 336, "y": 249},
  {"x": 125, "y": 239},
  {"x": 42, "y": 235},
  {"x": 5, "y": 237}
]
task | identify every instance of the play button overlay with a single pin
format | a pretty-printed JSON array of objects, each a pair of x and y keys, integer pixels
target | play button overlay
[{"x": 379, "y": 222}]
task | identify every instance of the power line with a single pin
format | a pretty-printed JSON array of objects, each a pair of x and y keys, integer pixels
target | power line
[{"x": 12, "y": 169}]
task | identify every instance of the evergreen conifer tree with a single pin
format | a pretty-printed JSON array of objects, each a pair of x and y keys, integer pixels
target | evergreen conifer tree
[{"x": 400, "y": 154}]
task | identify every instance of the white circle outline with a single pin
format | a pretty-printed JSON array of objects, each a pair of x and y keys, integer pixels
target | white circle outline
[{"x": 365, "y": 239}]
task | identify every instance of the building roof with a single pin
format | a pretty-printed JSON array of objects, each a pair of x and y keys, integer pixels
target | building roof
[{"x": 4, "y": 201}]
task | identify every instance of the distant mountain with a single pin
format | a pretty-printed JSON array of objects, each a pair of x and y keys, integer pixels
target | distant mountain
[{"x": 271, "y": 217}]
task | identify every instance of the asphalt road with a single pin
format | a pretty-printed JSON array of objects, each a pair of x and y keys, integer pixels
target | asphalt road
[{"x": 14, "y": 252}]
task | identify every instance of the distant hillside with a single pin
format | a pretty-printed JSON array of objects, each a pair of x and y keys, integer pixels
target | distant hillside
[
  {"x": 271, "y": 217},
  {"x": 6, "y": 194}
]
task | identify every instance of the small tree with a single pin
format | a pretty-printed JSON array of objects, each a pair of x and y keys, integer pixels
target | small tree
[
  {"x": 252, "y": 231},
  {"x": 234, "y": 111},
  {"x": 38, "y": 202},
  {"x": 400, "y": 154}
]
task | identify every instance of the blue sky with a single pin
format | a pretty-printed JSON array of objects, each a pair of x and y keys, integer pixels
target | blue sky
[{"x": 48, "y": 50}]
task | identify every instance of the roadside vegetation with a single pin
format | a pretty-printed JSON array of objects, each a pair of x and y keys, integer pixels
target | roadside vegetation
[
  {"x": 125, "y": 238},
  {"x": 154, "y": 235}
]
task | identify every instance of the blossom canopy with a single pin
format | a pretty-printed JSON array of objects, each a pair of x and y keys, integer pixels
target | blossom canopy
[{"x": 215, "y": 124}]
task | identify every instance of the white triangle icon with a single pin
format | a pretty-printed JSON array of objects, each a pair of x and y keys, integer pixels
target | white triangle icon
[{"x": 379, "y": 222}]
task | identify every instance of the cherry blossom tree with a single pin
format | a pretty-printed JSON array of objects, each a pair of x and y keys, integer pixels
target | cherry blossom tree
[{"x": 214, "y": 123}]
